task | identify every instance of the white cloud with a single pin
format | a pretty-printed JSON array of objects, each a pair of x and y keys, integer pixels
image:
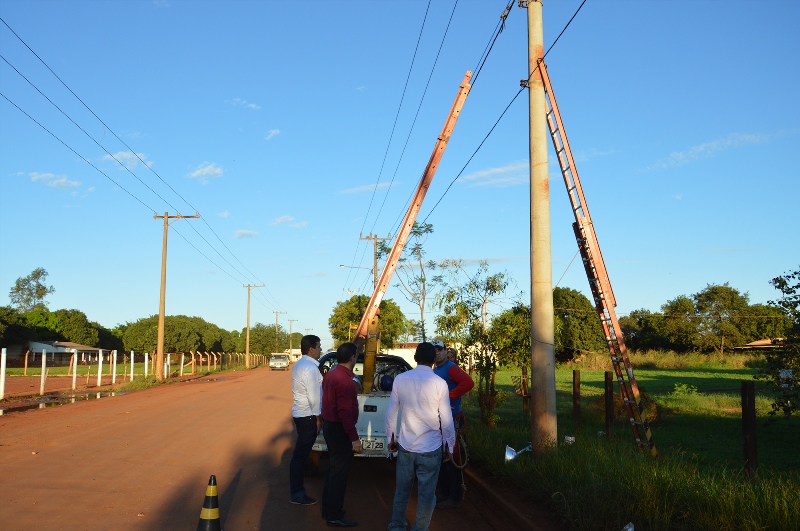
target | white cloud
[
  {"x": 205, "y": 170},
  {"x": 161, "y": 3},
  {"x": 53, "y": 180},
  {"x": 128, "y": 159},
  {"x": 239, "y": 102},
  {"x": 705, "y": 150},
  {"x": 224, "y": 214},
  {"x": 299, "y": 224},
  {"x": 241, "y": 234},
  {"x": 281, "y": 220},
  {"x": 678, "y": 196},
  {"x": 272, "y": 133},
  {"x": 513, "y": 174},
  {"x": 368, "y": 188},
  {"x": 362, "y": 88}
]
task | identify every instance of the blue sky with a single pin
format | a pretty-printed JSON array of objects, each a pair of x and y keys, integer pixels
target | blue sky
[{"x": 273, "y": 121}]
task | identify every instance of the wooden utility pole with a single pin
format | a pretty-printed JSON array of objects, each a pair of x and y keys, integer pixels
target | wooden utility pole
[
  {"x": 290, "y": 336},
  {"x": 375, "y": 240},
  {"x": 247, "y": 341},
  {"x": 543, "y": 391},
  {"x": 161, "y": 304},
  {"x": 276, "y": 328}
]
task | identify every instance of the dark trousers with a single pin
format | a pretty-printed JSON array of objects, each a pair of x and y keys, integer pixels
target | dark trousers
[
  {"x": 451, "y": 478},
  {"x": 306, "y": 435},
  {"x": 340, "y": 454}
]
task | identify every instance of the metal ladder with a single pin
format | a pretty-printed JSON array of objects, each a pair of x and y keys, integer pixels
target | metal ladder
[{"x": 596, "y": 272}]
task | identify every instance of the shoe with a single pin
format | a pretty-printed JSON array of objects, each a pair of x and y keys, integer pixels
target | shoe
[
  {"x": 303, "y": 500},
  {"x": 342, "y": 522},
  {"x": 325, "y": 516},
  {"x": 448, "y": 504}
]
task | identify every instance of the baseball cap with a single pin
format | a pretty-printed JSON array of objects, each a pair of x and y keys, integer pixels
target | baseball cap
[{"x": 437, "y": 344}]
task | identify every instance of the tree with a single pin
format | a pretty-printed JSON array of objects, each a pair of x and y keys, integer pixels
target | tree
[
  {"x": 29, "y": 292},
  {"x": 640, "y": 330},
  {"x": 783, "y": 365},
  {"x": 413, "y": 272},
  {"x": 347, "y": 314},
  {"x": 581, "y": 330},
  {"x": 464, "y": 319},
  {"x": 13, "y": 327},
  {"x": 717, "y": 308},
  {"x": 181, "y": 334},
  {"x": 678, "y": 325},
  {"x": 511, "y": 335}
]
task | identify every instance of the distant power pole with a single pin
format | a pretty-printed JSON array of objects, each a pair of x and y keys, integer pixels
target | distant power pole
[
  {"x": 247, "y": 342},
  {"x": 290, "y": 334},
  {"x": 375, "y": 240},
  {"x": 161, "y": 304},
  {"x": 276, "y": 329}
]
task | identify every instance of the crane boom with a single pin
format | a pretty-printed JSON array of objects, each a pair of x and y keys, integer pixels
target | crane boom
[{"x": 367, "y": 331}]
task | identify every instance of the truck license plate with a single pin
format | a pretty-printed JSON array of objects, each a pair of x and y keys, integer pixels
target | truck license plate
[{"x": 373, "y": 444}]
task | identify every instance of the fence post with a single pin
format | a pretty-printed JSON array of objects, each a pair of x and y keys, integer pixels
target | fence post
[
  {"x": 113, "y": 367},
  {"x": 182, "y": 356},
  {"x": 168, "y": 367},
  {"x": 576, "y": 400},
  {"x": 609, "y": 387},
  {"x": 99, "y": 367},
  {"x": 145, "y": 364},
  {"x": 749, "y": 446},
  {"x": 44, "y": 371},
  {"x": 132, "y": 360},
  {"x": 25, "y": 371},
  {"x": 2, "y": 374},
  {"x": 74, "y": 368}
]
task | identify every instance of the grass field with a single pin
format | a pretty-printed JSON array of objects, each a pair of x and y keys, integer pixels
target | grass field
[{"x": 696, "y": 482}]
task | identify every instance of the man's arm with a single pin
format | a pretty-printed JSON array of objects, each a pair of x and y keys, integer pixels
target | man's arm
[
  {"x": 390, "y": 422},
  {"x": 446, "y": 417},
  {"x": 345, "y": 397},
  {"x": 312, "y": 381},
  {"x": 463, "y": 381}
]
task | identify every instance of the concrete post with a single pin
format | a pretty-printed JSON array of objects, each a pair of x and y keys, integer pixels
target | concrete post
[
  {"x": 99, "y": 367},
  {"x": 44, "y": 371},
  {"x": 145, "y": 364},
  {"x": 543, "y": 389},
  {"x": 2, "y": 374},
  {"x": 113, "y": 367},
  {"x": 132, "y": 373},
  {"x": 75, "y": 369}
]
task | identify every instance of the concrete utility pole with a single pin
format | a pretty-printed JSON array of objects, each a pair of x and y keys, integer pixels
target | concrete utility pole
[
  {"x": 247, "y": 341},
  {"x": 543, "y": 383},
  {"x": 290, "y": 334},
  {"x": 161, "y": 304},
  {"x": 375, "y": 240},
  {"x": 276, "y": 328}
]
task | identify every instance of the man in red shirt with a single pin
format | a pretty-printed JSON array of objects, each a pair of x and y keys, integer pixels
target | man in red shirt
[{"x": 339, "y": 416}]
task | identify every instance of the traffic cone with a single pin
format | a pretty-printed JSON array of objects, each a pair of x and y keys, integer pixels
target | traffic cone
[{"x": 209, "y": 514}]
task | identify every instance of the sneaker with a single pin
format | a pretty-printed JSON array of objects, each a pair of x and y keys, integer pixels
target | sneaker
[
  {"x": 342, "y": 522},
  {"x": 303, "y": 500},
  {"x": 448, "y": 504}
]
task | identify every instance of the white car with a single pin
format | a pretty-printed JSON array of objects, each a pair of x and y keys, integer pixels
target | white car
[
  {"x": 279, "y": 361},
  {"x": 371, "y": 406}
]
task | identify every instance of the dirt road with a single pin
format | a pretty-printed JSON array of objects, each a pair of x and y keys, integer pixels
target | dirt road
[{"x": 142, "y": 461}]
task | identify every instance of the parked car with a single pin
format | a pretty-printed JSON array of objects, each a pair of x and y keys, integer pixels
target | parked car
[
  {"x": 279, "y": 361},
  {"x": 371, "y": 406}
]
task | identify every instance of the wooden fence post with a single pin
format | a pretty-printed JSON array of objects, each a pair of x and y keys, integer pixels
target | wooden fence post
[
  {"x": 609, "y": 396},
  {"x": 74, "y": 369},
  {"x": 576, "y": 400},
  {"x": 182, "y": 356},
  {"x": 25, "y": 371},
  {"x": 749, "y": 446}
]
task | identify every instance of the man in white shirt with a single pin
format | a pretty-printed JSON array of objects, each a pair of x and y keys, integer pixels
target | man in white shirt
[
  {"x": 306, "y": 409},
  {"x": 423, "y": 435}
]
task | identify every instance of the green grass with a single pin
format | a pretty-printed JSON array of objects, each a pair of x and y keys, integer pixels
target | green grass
[{"x": 695, "y": 483}]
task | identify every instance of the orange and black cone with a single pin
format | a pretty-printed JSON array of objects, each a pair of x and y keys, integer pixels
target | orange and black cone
[{"x": 209, "y": 514}]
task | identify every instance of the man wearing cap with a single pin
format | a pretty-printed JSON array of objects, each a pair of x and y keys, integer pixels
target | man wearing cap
[
  {"x": 307, "y": 402},
  {"x": 459, "y": 383},
  {"x": 420, "y": 426}
]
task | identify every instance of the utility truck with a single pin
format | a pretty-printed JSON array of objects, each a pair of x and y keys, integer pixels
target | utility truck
[{"x": 375, "y": 388}]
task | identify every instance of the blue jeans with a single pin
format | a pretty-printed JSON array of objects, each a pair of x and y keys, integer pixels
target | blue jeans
[{"x": 425, "y": 468}]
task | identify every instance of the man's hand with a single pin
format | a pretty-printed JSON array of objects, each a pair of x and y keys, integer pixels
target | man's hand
[
  {"x": 357, "y": 448},
  {"x": 446, "y": 456},
  {"x": 393, "y": 446},
  {"x": 319, "y": 423}
]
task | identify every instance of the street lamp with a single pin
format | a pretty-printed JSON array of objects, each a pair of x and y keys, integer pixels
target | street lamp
[{"x": 374, "y": 276}]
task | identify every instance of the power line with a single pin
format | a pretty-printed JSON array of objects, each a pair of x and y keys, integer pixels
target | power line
[
  {"x": 524, "y": 84},
  {"x": 132, "y": 151}
]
